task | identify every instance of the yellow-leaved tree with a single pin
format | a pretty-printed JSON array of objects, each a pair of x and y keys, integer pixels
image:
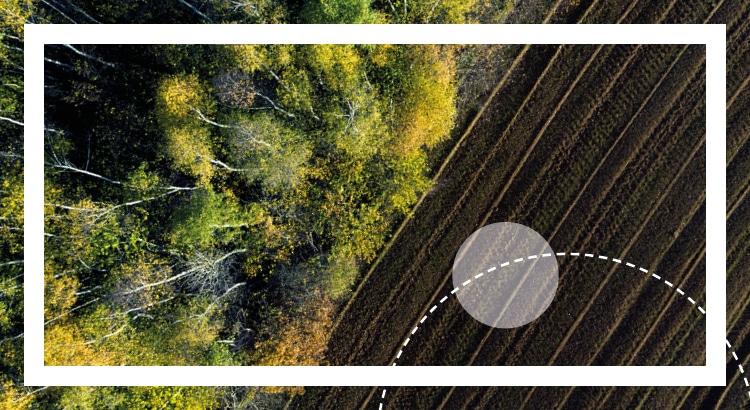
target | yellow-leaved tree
[
  {"x": 298, "y": 338},
  {"x": 181, "y": 104},
  {"x": 423, "y": 106}
]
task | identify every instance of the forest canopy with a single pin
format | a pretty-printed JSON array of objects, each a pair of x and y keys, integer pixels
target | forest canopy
[
  {"x": 271, "y": 11},
  {"x": 213, "y": 205}
]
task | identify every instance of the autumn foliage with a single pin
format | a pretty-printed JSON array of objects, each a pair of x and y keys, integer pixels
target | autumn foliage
[{"x": 259, "y": 180}]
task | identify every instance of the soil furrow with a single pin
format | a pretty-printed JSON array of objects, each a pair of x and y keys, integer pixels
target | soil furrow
[
  {"x": 628, "y": 126},
  {"x": 737, "y": 92},
  {"x": 610, "y": 186},
  {"x": 661, "y": 236},
  {"x": 671, "y": 300},
  {"x": 609, "y": 274}
]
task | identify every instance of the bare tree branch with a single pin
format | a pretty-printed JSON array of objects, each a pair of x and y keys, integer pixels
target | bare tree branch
[
  {"x": 69, "y": 167},
  {"x": 9, "y": 339},
  {"x": 89, "y": 56},
  {"x": 84, "y": 264},
  {"x": 276, "y": 107},
  {"x": 30, "y": 393},
  {"x": 14, "y": 48},
  {"x": 11, "y": 263},
  {"x": 60, "y": 316},
  {"x": 215, "y": 300},
  {"x": 205, "y": 17},
  {"x": 78, "y": 9},
  {"x": 59, "y": 11},
  {"x": 97, "y": 213},
  {"x": 6, "y": 154},
  {"x": 65, "y": 165},
  {"x": 225, "y": 166},
  {"x": 12, "y": 121},
  {"x": 139, "y": 308},
  {"x": 198, "y": 267},
  {"x": 92, "y": 341},
  {"x": 229, "y": 226},
  {"x": 49, "y": 60},
  {"x": 204, "y": 118},
  {"x": 85, "y": 292},
  {"x": 240, "y": 129}
]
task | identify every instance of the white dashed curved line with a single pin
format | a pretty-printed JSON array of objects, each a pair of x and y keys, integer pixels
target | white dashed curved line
[{"x": 589, "y": 255}]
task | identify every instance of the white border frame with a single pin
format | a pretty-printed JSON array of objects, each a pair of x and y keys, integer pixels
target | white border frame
[{"x": 713, "y": 374}]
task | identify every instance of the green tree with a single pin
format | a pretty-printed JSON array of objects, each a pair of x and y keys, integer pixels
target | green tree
[
  {"x": 181, "y": 103},
  {"x": 407, "y": 178},
  {"x": 427, "y": 12},
  {"x": 267, "y": 151},
  {"x": 13, "y": 15},
  {"x": 208, "y": 219},
  {"x": 340, "y": 12},
  {"x": 423, "y": 94},
  {"x": 267, "y": 177}
]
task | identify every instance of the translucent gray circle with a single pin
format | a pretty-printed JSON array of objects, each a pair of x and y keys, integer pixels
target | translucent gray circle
[{"x": 506, "y": 275}]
